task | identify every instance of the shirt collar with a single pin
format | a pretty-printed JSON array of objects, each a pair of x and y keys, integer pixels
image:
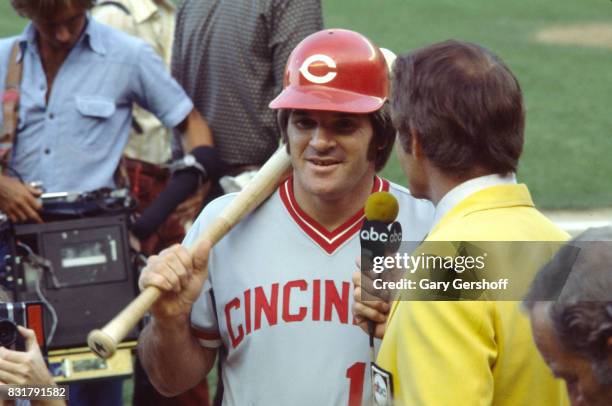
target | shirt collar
[
  {"x": 457, "y": 194},
  {"x": 91, "y": 36},
  {"x": 27, "y": 40}
]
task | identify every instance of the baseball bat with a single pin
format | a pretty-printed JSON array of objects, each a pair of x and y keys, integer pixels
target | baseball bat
[{"x": 104, "y": 342}]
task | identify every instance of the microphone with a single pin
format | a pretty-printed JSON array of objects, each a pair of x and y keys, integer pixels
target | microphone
[{"x": 379, "y": 236}]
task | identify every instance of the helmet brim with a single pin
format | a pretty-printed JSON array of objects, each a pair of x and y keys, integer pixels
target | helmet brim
[{"x": 324, "y": 98}]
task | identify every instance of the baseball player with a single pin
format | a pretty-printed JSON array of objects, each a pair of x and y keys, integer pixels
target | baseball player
[{"x": 276, "y": 291}]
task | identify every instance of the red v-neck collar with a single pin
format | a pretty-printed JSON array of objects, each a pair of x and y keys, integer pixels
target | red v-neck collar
[{"x": 330, "y": 241}]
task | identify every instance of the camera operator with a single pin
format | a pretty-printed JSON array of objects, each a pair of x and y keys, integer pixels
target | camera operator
[
  {"x": 75, "y": 86},
  {"x": 79, "y": 82}
]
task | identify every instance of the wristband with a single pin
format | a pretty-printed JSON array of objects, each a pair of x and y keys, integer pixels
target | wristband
[{"x": 206, "y": 160}]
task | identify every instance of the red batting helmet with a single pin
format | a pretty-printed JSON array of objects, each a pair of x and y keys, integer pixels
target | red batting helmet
[{"x": 336, "y": 70}]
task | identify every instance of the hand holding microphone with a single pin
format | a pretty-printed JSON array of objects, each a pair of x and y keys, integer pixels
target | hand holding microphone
[{"x": 380, "y": 235}]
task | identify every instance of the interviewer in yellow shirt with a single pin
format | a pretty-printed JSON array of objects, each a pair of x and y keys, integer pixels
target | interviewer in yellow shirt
[{"x": 460, "y": 118}]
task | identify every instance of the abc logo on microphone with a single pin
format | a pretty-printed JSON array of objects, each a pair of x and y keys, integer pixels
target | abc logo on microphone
[{"x": 379, "y": 238}]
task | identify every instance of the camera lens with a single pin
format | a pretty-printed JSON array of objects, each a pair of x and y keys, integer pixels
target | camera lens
[{"x": 8, "y": 333}]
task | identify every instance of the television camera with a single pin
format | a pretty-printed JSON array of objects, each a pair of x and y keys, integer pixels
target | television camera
[{"x": 78, "y": 267}]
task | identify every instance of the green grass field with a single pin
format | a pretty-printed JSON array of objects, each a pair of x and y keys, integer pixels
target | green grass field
[{"x": 567, "y": 160}]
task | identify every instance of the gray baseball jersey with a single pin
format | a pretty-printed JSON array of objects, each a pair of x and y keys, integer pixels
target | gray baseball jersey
[{"x": 281, "y": 302}]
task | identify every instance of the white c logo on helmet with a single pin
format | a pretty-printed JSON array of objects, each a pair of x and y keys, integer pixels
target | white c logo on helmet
[{"x": 318, "y": 79}]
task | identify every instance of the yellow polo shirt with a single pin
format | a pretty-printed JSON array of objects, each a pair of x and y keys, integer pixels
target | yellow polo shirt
[{"x": 473, "y": 353}]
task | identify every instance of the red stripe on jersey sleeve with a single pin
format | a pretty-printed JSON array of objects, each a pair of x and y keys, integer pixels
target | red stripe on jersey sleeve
[{"x": 205, "y": 335}]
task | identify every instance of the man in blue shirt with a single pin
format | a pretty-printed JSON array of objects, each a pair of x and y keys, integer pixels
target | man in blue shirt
[{"x": 80, "y": 79}]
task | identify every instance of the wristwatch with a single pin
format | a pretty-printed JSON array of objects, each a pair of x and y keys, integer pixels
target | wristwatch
[{"x": 188, "y": 162}]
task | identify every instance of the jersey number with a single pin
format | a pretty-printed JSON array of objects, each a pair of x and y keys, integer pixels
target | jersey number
[{"x": 355, "y": 374}]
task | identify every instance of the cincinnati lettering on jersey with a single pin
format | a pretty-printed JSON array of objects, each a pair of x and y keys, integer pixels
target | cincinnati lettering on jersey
[{"x": 255, "y": 305}]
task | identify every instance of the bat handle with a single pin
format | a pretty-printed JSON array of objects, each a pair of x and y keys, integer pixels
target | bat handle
[{"x": 104, "y": 342}]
